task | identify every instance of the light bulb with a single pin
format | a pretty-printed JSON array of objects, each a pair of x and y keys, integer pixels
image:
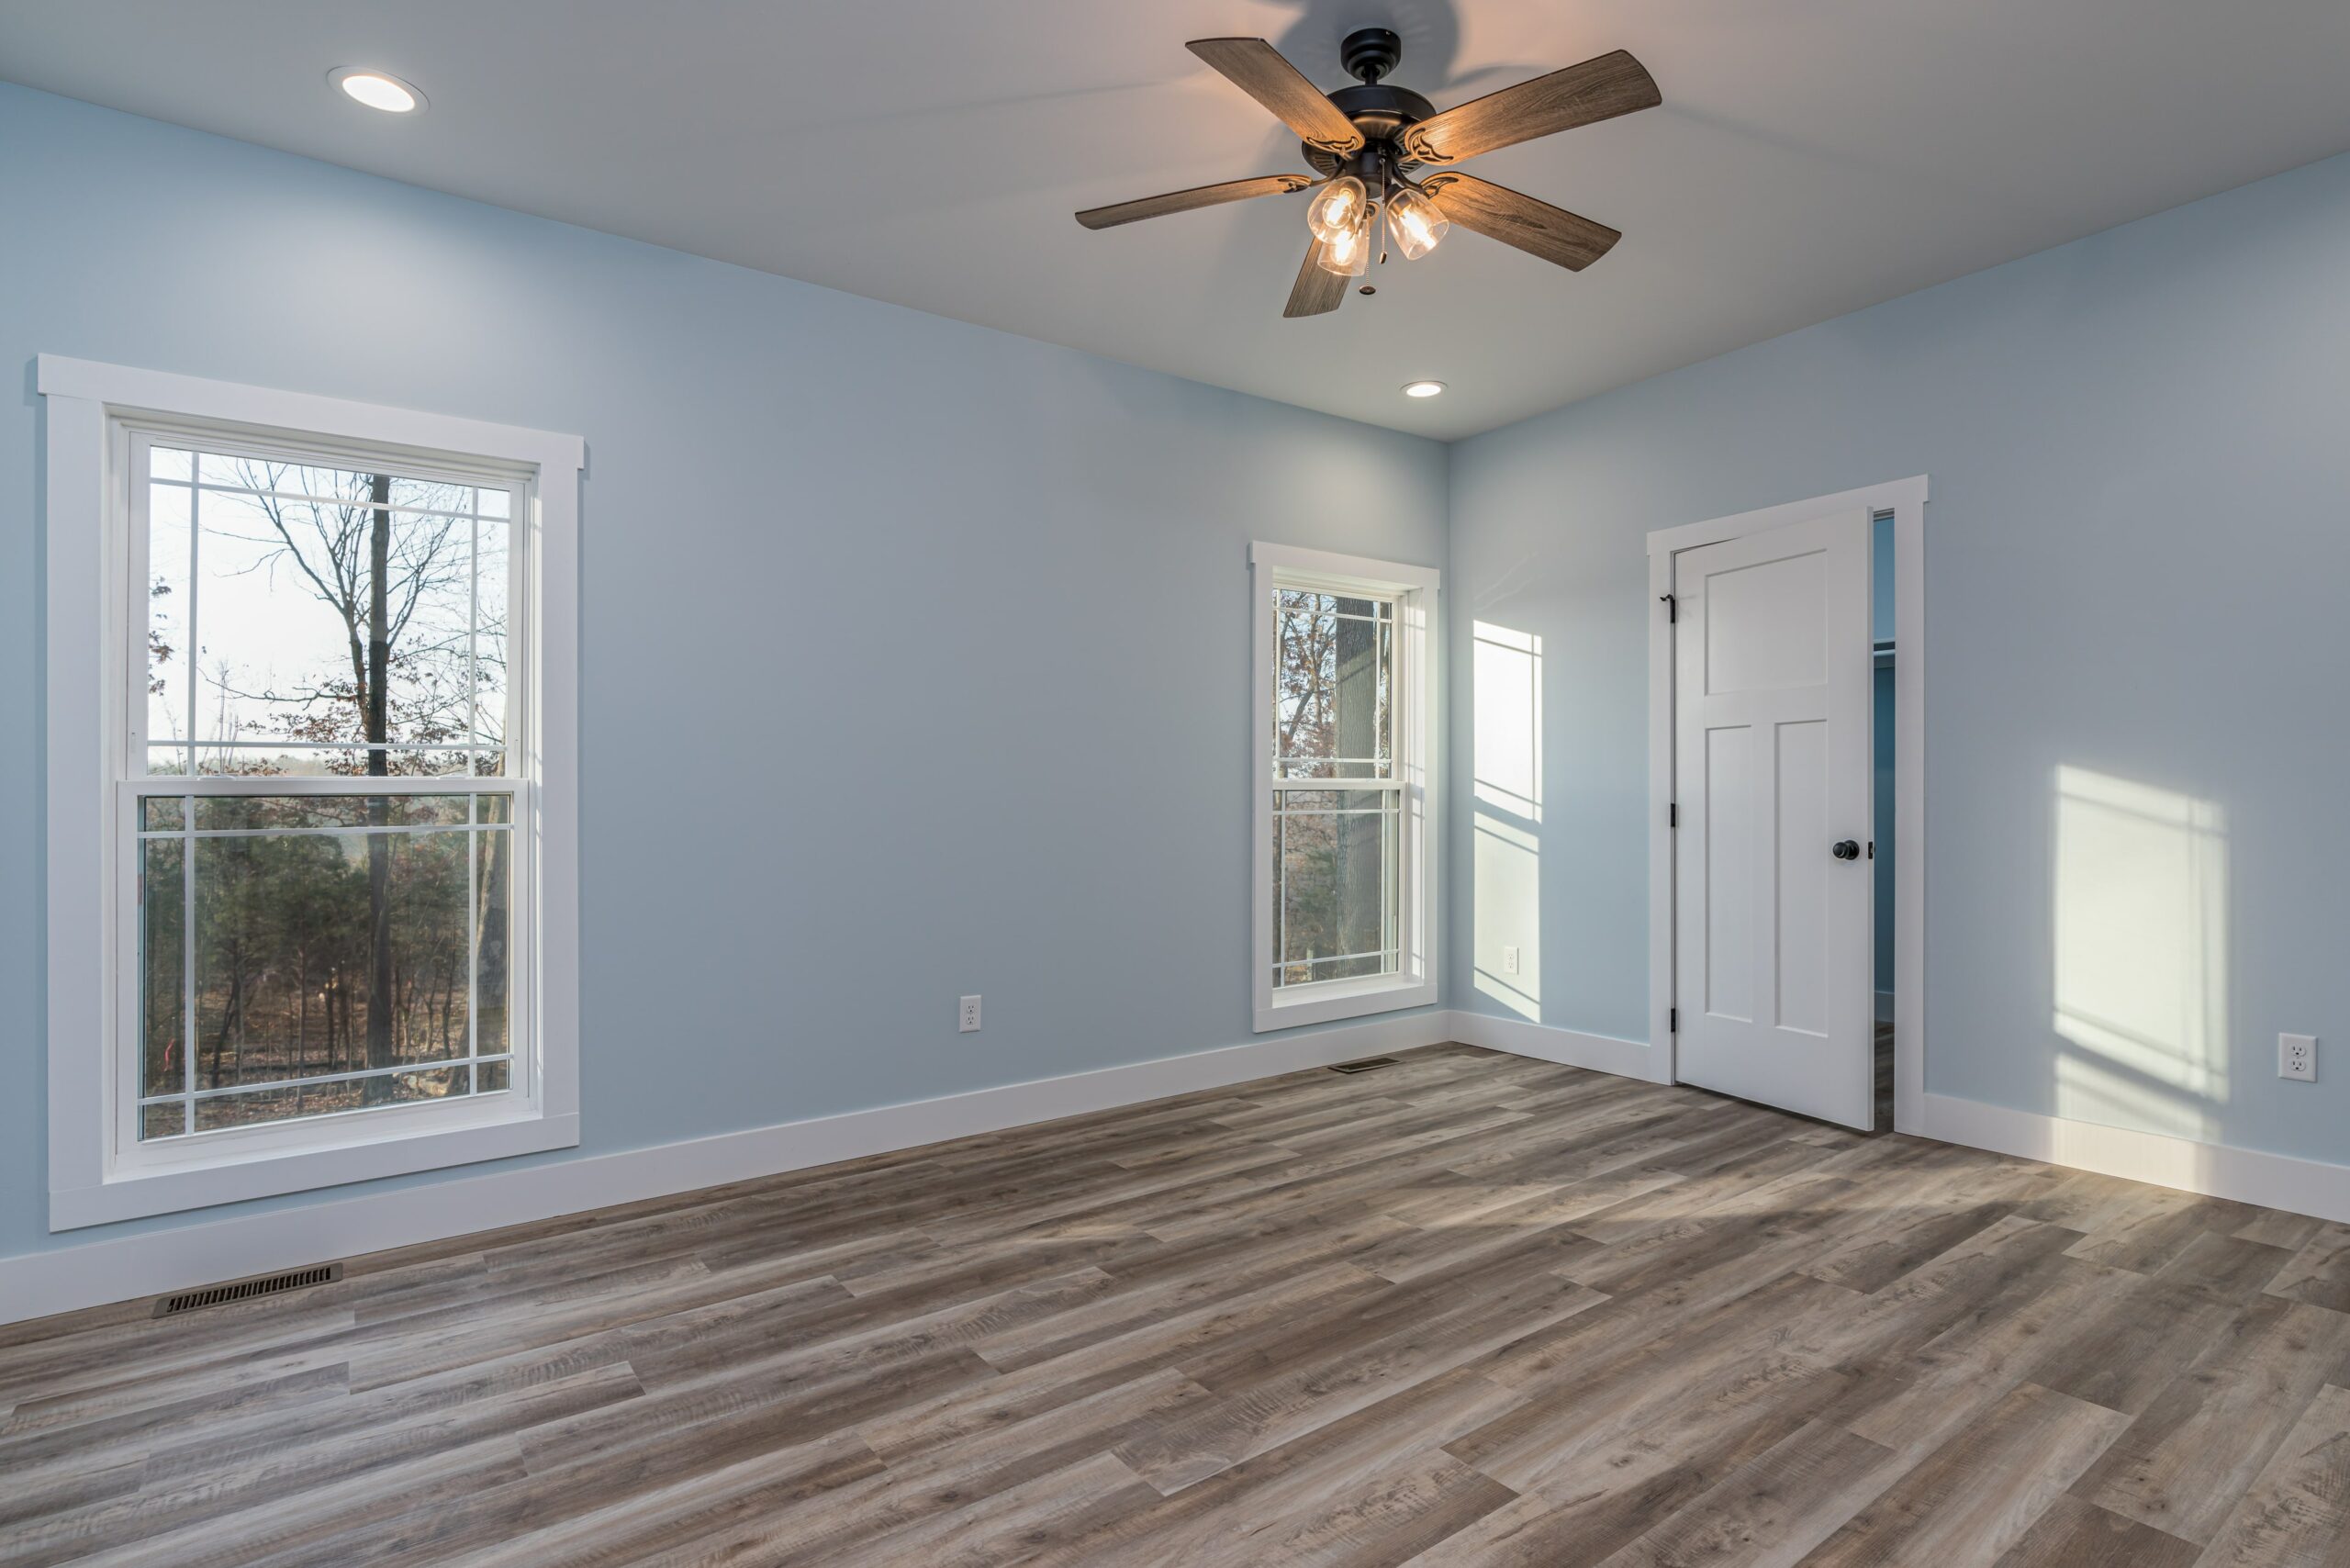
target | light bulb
[
  {"x": 1336, "y": 207},
  {"x": 1348, "y": 255},
  {"x": 1415, "y": 222}
]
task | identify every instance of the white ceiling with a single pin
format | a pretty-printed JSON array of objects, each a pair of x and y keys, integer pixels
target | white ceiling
[{"x": 1812, "y": 156}]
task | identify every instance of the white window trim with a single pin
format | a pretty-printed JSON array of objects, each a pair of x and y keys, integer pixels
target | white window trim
[
  {"x": 1417, "y": 590},
  {"x": 87, "y": 406}
]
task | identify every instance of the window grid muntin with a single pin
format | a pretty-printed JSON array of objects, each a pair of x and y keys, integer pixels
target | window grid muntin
[
  {"x": 271, "y": 492},
  {"x": 513, "y": 781},
  {"x": 320, "y": 1079}
]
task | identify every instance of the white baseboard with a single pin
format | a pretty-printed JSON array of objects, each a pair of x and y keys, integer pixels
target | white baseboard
[
  {"x": 1544, "y": 1042},
  {"x": 92, "y": 1274},
  {"x": 1885, "y": 1007},
  {"x": 2248, "y": 1176}
]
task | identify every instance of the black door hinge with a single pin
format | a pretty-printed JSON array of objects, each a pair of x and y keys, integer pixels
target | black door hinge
[
  {"x": 1673, "y": 1020},
  {"x": 1672, "y": 609},
  {"x": 1673, "y": 814}
]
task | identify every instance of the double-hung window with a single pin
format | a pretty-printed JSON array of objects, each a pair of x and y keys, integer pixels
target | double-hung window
[
  {"x": 1345, "y": 699},
  {"x": 322, "y": 873}
]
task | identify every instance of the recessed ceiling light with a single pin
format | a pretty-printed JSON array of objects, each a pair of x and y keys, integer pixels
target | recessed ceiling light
[
  {"x": 377, "y": 90},
  {"x": 1422, "y": 388}
]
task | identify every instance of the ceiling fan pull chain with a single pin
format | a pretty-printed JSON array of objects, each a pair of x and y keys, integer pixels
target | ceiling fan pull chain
[{"x": 1386, "y": 200}]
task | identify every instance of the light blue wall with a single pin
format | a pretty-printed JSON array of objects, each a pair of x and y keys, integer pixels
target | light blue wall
[
  {"x": 2136, "y": 559},
  {"x": 914, "y": 654}
]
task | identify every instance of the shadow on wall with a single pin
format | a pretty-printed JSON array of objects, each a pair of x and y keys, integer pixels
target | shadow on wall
[
  {"x": 1506, "y": 770},
  {"x": 2140, "y": 955}
]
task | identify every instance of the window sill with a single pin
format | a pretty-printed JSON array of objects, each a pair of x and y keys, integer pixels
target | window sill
[
  {"x": 157, "y": 1189},
  {"x": 1329, "y": 1000}
]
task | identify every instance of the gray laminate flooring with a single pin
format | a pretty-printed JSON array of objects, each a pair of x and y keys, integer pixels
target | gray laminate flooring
[{"x": 1465, "y": 1309}]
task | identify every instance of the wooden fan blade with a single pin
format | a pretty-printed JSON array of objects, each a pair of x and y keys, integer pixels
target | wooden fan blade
[
  {"x": 1258, "y": 68},
  {"x": 1198, "y": 196},
  {"x": 1581, "y": 94},
  {"x": 1534, "y": 226},
  {"x": 1317, "y": 289}
]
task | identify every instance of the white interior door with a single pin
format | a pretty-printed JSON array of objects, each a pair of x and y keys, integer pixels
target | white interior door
[{"x": 1775, "y": 926}]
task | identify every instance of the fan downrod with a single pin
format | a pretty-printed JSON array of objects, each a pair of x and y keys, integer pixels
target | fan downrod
[{"x": 1368, "y": 53}]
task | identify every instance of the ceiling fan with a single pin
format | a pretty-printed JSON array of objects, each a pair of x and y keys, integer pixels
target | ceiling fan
[{"x": 1366, "y": 142}]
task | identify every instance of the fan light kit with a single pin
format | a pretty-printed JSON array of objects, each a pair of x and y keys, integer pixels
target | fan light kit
[
  {"x": 1422, "y": 388},
  {"x": 1366, "y": 143},
  {"x": 377, "y": 90}
]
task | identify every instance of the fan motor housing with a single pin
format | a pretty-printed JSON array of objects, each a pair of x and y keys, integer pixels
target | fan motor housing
[{"x": 1380, "y": 112}]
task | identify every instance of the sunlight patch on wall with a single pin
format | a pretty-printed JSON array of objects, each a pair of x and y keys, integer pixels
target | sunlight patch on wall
[
  {"x": 1505, "y": 769},
  {"x": 1506, "y": 673},
  {"x": 1509, "y": 914},
  {"x": 2140, "y": 955}
]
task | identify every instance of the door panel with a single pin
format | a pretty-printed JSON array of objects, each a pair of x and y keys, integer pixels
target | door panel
[
  {"x": 1801, "y": 829},
  {"x": 1773, "y": 935},
  {"x": 1728, "y": 851},
  {"x": 1767, "y": 628}
]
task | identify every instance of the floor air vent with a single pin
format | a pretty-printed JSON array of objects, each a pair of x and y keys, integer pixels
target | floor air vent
[
  {"x": 1366, "y": 1065},
  {"x": 245, "y": 1290}
]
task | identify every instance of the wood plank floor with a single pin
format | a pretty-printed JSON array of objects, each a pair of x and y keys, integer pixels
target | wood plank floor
[{"x": 1464, "y": 1310}]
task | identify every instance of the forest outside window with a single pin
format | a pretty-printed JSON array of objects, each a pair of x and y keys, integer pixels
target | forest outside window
[
  {"x": 1342, "y": 920},
  {"x": 313, "y": 860}
]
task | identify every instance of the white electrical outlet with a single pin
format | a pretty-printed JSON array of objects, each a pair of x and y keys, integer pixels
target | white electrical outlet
[
  {"x": 2297, "y": 1056},
  {"x": 1509, "y": 960},
  {"x": 971, "y": 1017}
]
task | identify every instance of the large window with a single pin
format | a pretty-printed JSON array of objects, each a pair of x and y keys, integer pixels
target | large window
[
  {"x": 1344, "y": 694},
  {"x": 325, "y": 858},
  {"x": 325, "y": 852}
]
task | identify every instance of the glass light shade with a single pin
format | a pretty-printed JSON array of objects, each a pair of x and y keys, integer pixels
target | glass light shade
[
  {"x": 1348, "y": 255},
  {"x": 1415, "y": 222},
  {"x": 1336, "y": 207}
]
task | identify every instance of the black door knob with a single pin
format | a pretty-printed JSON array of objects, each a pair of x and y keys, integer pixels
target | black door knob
[{"x": 1847, "y": 850}]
